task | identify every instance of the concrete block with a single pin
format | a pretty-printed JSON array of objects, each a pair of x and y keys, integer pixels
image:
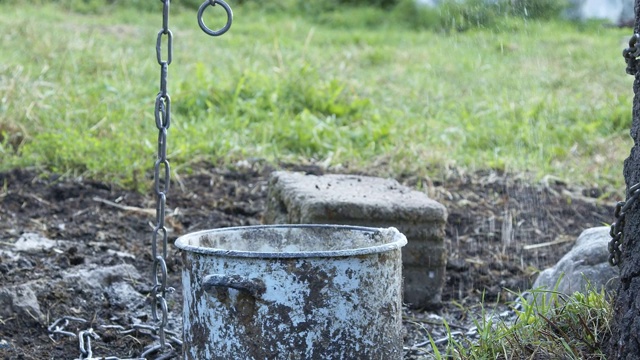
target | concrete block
[
  {"x": 296, "y": 198},
  {"x": 420, "y": 285}
]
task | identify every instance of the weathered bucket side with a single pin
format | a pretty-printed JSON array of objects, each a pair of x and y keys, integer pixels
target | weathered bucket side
[{"x": 293, "y": 308}]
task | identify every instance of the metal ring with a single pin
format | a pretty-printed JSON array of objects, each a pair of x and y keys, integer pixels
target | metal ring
[{"x": 227, "y": 9}]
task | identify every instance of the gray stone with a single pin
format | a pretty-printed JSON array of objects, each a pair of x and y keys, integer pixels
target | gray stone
[
  {"x": 586, "y": 263},
  {"x": 20, "y": 301},
  {"x": 95, "y": 285},
  {"x": 112, "y": 284},
  {"x": 32, "y": 243},
  {"x": 123, "y": 296},
  {"x": 101, "y": 277},
  {"x": 9, "y": 255},
  {"x": 296, "y": 198}
]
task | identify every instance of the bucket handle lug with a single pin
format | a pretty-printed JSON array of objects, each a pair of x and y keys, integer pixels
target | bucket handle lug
[{"x": 254, "y": 286}]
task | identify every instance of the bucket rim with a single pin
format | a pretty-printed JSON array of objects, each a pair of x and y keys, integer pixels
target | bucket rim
[{"x": 398, "y": 241}]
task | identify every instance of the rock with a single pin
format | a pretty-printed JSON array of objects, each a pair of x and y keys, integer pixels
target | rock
[
  {"x": 9, "y": 255},
  {"x": 95, "y": 276},
  {"x": 123, "y": 296},
  {"x": 121, "y": 254},
  {"x": 32, "y": 243},
  {"x": 20, "y": 301},
  {"x": 586, "y": 263},
  {"x": 111, "y": 286}
]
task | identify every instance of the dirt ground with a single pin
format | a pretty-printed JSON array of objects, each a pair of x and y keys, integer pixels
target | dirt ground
[{"x": 494, "y": 219}]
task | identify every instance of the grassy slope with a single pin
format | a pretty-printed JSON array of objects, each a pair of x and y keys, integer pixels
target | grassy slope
[{"x": 77, "y": 94}]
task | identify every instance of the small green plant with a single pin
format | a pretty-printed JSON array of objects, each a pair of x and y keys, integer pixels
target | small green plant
[{"x": 549, "y": 325}]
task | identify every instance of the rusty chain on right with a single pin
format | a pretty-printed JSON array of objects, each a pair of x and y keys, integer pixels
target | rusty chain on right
[
  {"x": 617, "y": 228},
  {"x": 630, "y": 55}
]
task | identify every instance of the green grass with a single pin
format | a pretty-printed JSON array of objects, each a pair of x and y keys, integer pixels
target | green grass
[
  {"x": 354, "y": 88},
  {"x": 550, "y": 325}
]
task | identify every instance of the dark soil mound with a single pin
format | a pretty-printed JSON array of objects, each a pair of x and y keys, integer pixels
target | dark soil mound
[{"x": 494, "y": 220}]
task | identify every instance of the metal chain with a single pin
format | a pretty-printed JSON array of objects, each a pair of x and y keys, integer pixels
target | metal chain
[
  {"x": 162, "y": 169},
  {"x": 617, "y": 228},
  {"x": 630, "y": 56},
  {"x": 161, "y": 173},
  {"x": 84, "y": 338}
]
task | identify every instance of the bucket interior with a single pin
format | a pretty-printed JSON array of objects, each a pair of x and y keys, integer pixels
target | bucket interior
[{"x": 292, "y": 240}]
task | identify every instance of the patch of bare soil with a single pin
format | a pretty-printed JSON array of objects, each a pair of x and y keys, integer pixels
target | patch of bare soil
[{"x": 501, "y": 230}]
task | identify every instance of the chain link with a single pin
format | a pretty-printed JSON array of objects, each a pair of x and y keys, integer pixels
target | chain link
[
  {"x": 58, "y": 326},
  {"x": 617, "y": 228},
  {"x": 631, "y": 54}
]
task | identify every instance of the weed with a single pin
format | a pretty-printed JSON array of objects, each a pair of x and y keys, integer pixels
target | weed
[{"x": 549, "y": 325}]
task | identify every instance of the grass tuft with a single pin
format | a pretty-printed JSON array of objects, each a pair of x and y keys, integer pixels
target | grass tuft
[{"x": 549, "y": 325}]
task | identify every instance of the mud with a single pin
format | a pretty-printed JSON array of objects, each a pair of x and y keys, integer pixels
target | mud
[{"x": 96, "y": 225}]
